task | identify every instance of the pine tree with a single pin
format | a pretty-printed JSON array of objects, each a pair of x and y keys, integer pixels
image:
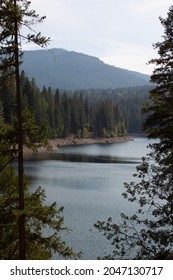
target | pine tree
[
  {"x": 21, "y": 225},
  {"x": 44, "y": 223},
  {"x": 14, "y": 15},
  {"x": 148, "y": 234},
  {"x": 38, "y": 216}
]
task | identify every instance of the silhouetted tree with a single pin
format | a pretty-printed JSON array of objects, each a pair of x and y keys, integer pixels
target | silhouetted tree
[{"x": 148, "y": 234}]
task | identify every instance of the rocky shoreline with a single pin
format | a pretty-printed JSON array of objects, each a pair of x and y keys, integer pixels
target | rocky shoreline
[{"x": 56, "y": 144}]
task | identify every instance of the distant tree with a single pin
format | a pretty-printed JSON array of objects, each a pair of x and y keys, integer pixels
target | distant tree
[
  {"x": 66, "y": 111},
  {"x": 50, "y": 114},
  {"x": 148, "y": 234},
  {"x": 58, "y": 114}
]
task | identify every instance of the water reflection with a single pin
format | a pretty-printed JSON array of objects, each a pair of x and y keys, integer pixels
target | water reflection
[
  {"x": 88, "y": 181},
  {"x": 120, "y": 153},
  {"x": 84, "y": 158}
]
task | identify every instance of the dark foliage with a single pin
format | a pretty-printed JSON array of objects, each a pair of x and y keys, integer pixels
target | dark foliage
[
  {"x": 148, "y": 234},
  {"x": 105, "y": 113}
]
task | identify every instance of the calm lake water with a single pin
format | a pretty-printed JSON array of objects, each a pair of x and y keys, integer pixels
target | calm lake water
[{"x": 88, "y": 181}]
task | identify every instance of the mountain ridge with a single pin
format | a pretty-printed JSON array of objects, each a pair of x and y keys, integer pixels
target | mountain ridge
[{"x": 71, "y": 70}]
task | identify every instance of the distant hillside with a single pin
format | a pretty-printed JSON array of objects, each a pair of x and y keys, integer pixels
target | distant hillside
[{"x": 62, "y": 69}]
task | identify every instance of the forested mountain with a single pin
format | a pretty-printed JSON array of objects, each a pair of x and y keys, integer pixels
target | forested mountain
[
  {"x": 104, "y": 112},
  {"x": 62, "y": 69}
]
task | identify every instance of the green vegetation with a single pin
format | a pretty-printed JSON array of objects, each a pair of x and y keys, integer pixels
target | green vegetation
[
  {"x": 105, "y": 113},
  {"x": 148, "y": 234},
  {"x": 29, "y": 116},
  {"x": 23, "y": 215}
]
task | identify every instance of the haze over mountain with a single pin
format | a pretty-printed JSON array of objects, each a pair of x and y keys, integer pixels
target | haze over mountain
[{"x": 63, "y": 69}]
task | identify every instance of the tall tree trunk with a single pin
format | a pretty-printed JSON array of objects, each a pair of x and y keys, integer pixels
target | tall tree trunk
[{"x": 21, "y": 222}]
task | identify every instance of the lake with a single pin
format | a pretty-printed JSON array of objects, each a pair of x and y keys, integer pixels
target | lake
[{"x": 88, "y": 181}]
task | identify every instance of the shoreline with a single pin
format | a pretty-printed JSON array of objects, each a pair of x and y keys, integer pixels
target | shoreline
[{"x": 56, "y": 144}]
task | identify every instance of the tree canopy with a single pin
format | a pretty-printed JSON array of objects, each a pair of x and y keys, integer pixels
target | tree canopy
[
  {"x": 105, "y": 113},
  {"x": 148, "y": 234},
  {"x": 23, "y": 215}
]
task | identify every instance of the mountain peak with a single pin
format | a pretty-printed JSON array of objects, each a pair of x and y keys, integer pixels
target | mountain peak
[{"x": 64, "y": 69}]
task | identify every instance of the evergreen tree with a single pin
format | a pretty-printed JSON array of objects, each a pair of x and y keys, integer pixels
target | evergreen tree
[
  {"x": 58, "y": 115},
  {"x": 44, "y": 223},
  {"x": 8, "y": 99},
  {"x": 38, "y": 216},
  {"x": 148, "y": 234},
  {"x": 15, "y": 14},
  {"x": 66, "y": 110}
]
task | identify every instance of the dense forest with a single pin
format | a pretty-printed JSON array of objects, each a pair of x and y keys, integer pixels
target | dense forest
[
  {"x": 106, "y": 112},
  {"x": 27, "y": 113}
]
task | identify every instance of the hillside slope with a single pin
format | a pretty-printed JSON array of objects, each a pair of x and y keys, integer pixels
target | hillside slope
[{"x": 63, "y": 69}]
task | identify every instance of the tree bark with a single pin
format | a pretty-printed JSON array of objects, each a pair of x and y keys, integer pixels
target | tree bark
[{"x": 21, "y": 221}]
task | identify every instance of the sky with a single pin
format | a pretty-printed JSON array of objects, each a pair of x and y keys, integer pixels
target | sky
[{"x": 119, "y": 32}]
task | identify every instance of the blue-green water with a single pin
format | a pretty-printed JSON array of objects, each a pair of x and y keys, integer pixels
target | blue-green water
[{"x": 88, "y": 181}]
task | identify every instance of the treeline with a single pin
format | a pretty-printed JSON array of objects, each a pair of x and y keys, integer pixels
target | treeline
[{"x": 110, "y": 112}]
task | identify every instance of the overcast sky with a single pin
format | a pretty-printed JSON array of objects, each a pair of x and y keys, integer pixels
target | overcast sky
[{"x": 119, "y": 32}]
